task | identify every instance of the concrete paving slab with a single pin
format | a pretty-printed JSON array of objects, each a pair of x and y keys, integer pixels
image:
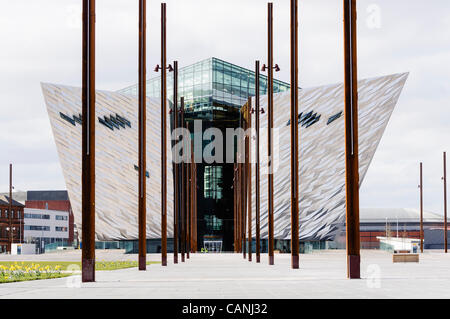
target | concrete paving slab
[{"x": 321, "y": 275}]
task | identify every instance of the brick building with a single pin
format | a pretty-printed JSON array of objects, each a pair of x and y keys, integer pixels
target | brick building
[{"x": 10, "y": 221}]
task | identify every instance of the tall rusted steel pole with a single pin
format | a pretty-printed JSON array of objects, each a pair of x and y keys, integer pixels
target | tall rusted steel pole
[
  {"x": 194, "y": 211},
  {"x": 241, "y": 191},
  {"x": 351, "y": 141},
  {"x": 182, "y": 191},
  {"x": 176, "y": 167},
  {"x": 257, "y": 191},
  {"x": 188, "y": 202},
  {"x": 88, "y": 144},
  {"x": 239, "y": 206},
  {"x": 245, "y": 188},
  {"x": 142, "y": 200},
  {"x": 294, "y": 138},
  {"x": 235, "y": 207},
  {"x": 421, "y": 207},
  {"x": 269, "y": 133},
  {"x": 445, "y": 203},
  {"x": 163, "y": 139},
  {"x": 249, "y": 180},
  {"x": 11, "y": 238},
  {"x": 191, "y": 215}
]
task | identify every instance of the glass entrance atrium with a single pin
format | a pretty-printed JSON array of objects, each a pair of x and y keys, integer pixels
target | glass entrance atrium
[
  {"x": 214, "y": 91},
  {"x": 210, "y": 88}
]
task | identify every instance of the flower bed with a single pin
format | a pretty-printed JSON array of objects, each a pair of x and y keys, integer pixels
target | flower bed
[{"x": 23, "y": 272}]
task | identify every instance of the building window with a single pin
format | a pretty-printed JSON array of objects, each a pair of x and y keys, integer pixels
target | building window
[
  {"x": 62, "y": 229},
  {"x": 213, "y": 223},
  {"x": 60, "y": 217},
  {"x": 334, "y": 118},
  {"x": 37, "y": 216},
  {"x": 212, "y": 179},
  {"x": 40, "y": 228}
]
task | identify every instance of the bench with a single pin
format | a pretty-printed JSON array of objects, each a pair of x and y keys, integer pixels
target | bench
[{"x": 405, "y": 258}]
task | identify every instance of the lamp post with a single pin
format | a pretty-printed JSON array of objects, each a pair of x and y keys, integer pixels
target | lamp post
[
  {"x": 163, "y": 69},
  {"x": 270, "y": 67}
]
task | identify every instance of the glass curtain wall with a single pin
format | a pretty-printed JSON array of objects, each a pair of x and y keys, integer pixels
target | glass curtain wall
[{"x": 210, "y": 85}]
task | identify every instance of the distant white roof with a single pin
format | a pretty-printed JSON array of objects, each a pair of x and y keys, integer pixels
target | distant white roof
[{"x": 392, "y": 214}]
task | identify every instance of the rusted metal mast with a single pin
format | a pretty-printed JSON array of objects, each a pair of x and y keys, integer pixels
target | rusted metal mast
[
  {"x": 294, "y": 138},
  {"x": 257, "y": 191},
  {"x": 142, "y": 200},
  {"x": 351, "y": 141},
  {"x": 182, "y": 191},
  {"x": 238, "y": 193},
  {"x": 188, "y": 202},
  {"x": 194, "y": 220},
  {"x": 234, "y": 208},
  {"x": 445, "y": 202},
  {"x": 11, "y": 237},
  {"x": 88, "y": 144},
  {"x": 191, "y": 215},
  {"x": 245, "y": 188},
  {"x": 270, "y": 128},
  {"x": 249, "y": 179},
  {"x": 163, "y": 139},
  {"x": 421, "y": 207},
  {"x": 176, "y": 167},
  {"x": 242, "y": 190}
]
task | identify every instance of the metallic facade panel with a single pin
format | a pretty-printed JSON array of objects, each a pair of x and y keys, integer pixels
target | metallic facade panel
[
  {"x": 321, "y": 157},
  {"x": 116, "y": 157},
  {"x": 322, "y": 154}
]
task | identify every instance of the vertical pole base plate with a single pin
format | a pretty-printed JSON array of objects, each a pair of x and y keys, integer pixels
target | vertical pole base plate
[
  {"x": 271, "y": 260},
  {"x": 258, "y": 258},
  {"x": 353, "y": 266},
  {"x": 164, "y": 261},
  {"x": 294, "y": 261},
  {"x": 88, "y": 270},
  {"x": 142, "y": 262}
]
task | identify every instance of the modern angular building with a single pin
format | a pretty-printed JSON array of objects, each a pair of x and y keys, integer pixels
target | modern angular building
[{"x": 214, "y": 93}]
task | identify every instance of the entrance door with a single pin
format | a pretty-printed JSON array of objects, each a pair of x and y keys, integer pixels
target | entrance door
[{"x": 213, "y": 246}]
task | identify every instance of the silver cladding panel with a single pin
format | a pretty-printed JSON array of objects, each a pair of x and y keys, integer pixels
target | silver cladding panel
[
  {"x": 322, "y": 166},
  {"x": 116, "y": 155},
  {"x": 321, "y": 154}
]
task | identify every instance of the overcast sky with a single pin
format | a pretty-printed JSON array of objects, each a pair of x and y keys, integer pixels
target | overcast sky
[{"x": 41, "y": 42}]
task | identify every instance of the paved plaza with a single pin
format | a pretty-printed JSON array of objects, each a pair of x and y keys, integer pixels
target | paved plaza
[{"x": 322, "y": 275}]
